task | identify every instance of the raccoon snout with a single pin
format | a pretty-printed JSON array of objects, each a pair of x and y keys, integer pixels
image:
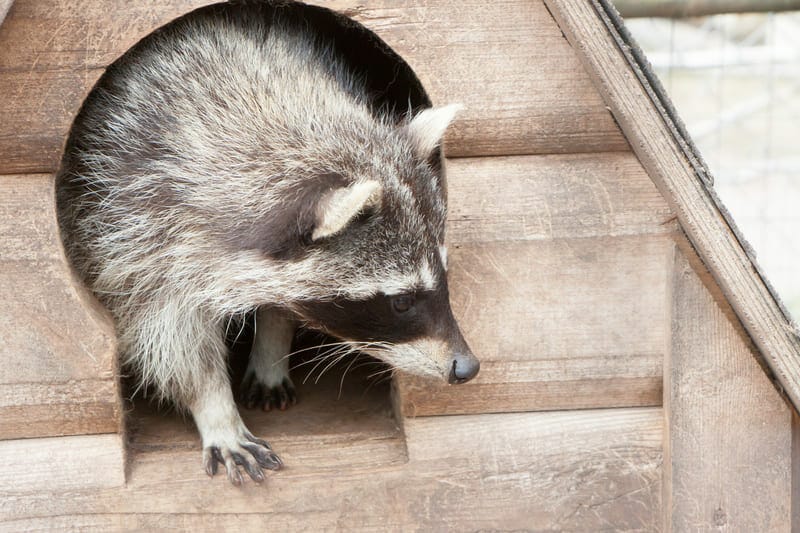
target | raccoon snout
[{"x": 463, "y": 367}]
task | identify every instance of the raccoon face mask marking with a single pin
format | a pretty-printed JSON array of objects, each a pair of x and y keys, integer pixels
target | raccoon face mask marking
[
  {"x": 241, "y": 159},
  {"x": 413, "y": 330}
]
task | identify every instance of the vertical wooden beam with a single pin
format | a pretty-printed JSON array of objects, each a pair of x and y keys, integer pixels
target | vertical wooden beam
[
  {"x": 728, "y": 438},
  {"x": 795, "y": 471}
]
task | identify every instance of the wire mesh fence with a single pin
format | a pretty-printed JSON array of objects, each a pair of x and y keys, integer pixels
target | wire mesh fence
[{"x": 735, "y": 80}]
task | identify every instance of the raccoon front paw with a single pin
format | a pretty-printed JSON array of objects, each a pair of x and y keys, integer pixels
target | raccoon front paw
[
  {"x": 252, "y": 455},
  {"x": 255, "y": 393}
]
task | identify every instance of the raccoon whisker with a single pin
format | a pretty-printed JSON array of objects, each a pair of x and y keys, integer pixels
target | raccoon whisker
[
  {"x": 309, "y": 348},
  {"x": 331, "y": 360},
  {"x": 334, "y": 356},
  {"x": 326, "y": 355},
  {"x": 335, "y": 361},
  {"x": 335, "y": 347},
  {"x": 317, "y": 358},
  {"x": 341, "y": 381},
  {"x": 382, "y": 377},
  {"x": 380, "y": 372},
  {"x": 362, "y": 364},
  {"x": 355, "y": 348}
]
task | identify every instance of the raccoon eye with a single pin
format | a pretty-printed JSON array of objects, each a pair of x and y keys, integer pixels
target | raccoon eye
[{"x": 403, "y": 303}]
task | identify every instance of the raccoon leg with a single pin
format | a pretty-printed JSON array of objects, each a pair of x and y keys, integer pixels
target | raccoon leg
[
  {"x": 226, "y": 440},
  {"x": 187, "y": 360},
  {"x": 266, "y": 382}
]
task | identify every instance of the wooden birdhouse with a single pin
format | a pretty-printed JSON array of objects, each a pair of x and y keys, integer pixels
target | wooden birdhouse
[{"x": 638, "y": 372}]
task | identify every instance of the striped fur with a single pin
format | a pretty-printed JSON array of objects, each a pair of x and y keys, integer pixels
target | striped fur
[{"x": 200, "y": 182}]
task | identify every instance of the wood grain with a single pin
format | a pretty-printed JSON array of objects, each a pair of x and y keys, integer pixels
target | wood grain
[
  {"x": 795, "y": 471},
  {"x": 554, "y": 196},
  {"x": 663, "y": 154},
  {"x": 590, "y": 470},
  {"x": 83, "y": 462},
  {"x": 729, "y": 437},
  {"x": 524, "y": 90},
  {"x": 557, "y": 324},
  {"x": 57, "y": 346},
  {"x": 343, "y": 407}
]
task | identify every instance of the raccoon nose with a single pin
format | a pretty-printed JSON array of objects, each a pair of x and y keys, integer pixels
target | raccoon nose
[{"x": 463, "y": 368}]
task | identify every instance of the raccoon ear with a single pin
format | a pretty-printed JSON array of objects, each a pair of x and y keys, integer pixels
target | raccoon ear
[
  {"x": 428, "y": 127},
  {"x": 338, "y": 207}
]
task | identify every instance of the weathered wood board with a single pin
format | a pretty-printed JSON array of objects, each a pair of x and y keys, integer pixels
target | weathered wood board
[
  {"x": 589, "y": 470},
  {"x": 557, "y": 324},
  {"x": 728, "y": 447},
  {"x": 558, "y": 274},
  {"x": 583, "y": 195},
  {"x": 672, "y": 164},
  {"x": 556, "y": 196},
  {"x": 795, "y": 471},
  {"x": 57, "y": 346},
  {"x": 61, "y": 464},
  {"x": 507, "y": 62}
]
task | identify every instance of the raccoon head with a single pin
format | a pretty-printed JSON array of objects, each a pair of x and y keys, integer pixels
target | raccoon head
[{"x": 380, "y": 241}]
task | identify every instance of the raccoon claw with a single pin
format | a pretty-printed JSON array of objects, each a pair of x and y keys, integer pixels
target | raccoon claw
[
  {"x": 256, "y": 394},
  {"x": 252, "y": 456}
]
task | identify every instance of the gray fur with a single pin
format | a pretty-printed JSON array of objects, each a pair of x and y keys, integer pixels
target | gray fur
[{"x": 191, "y": 186}]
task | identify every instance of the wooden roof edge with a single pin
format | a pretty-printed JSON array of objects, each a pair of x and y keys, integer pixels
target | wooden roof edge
[
  {"x": 645, "y": 113},
  {"x": 652, "y": 83}
]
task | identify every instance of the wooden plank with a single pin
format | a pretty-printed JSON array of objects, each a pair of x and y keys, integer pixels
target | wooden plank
[
  {"x": 665, "y": 154},
  {"x": 729, "y": 438},
  {"x": 557, "y": 324},
  {"x": 606, "y": 194},
  {"x": 553, "y": 196},
  {"x": 523, "y": 88},
  {"x": 58, "y": 342},
  {"x": 342, "y": 407},
  {"x": 795, "y": 471},
  {"x": 588, "y": 470},
  {"x": 571, "y": 470},
  {"x": 699, "y": 8},
  {"x": 79, "y": 407},
  {"x": 82, "y": 462}
]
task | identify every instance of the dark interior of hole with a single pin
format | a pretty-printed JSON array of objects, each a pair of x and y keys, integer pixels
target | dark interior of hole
[{"x": 392, "y": 85}]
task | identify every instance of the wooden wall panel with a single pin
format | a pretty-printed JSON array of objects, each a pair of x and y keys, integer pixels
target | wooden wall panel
[
  {"x": 555, "y": 196},
  {"x": 58, "y": 464},
  {"x": 587, "y": 471},
  {"x": 507, "y": 62},
  {"x": 558, "y": 275},
  {"x": 795, "y": 471},
  {"x": 673, "y": 167},
  {"x": 557, "y": 324},
  {"x": 57, "y": 347},
  {"x": 728, "y": 447}
]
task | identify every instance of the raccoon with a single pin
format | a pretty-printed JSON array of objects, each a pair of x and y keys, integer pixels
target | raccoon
[{"x": 231, "y": 163}]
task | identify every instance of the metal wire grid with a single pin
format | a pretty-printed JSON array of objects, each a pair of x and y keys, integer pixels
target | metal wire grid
[{"x": 735, "y": 81}]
